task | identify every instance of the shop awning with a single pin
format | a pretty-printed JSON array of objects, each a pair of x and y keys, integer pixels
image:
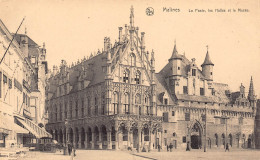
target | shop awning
[
  {"x": 19, "y": 129},
  {"x": 37, "y": 131}
]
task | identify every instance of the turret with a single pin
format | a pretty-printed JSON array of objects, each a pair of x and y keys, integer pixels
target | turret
[
  {"x": 207, "y": 67},
  {"x": 175, "y": 61}
]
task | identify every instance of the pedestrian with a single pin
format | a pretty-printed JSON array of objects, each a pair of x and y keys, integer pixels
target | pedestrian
[
  {"x": 167, "y": 148},
  {"x": 69, "y": 148},
  {"x": 171, "y": 146},
  {"x": 227, "y": 147},
  {"x": 188, "y": 146},
  {"x": 159, "y": 148}
]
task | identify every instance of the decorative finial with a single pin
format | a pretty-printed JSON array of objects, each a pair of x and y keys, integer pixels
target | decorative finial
[
  {"x": 207, "y": 48},
  {"x": 43, "y": 45},
  {"x": 25, "y": 30},
  {"x": 132, "y": 17}
]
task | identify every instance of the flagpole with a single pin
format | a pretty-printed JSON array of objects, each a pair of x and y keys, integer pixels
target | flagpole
[{"x": 11, "y": 41}]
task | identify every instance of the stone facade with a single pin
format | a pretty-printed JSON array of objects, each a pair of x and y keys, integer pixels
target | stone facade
[{"x": 115, "y": 100}]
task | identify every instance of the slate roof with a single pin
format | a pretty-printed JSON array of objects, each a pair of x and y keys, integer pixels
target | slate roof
[
  {"x": 161, "y": 87},
  {"x": 30, "y": 41},
  {"x": 207, "y": 60}
]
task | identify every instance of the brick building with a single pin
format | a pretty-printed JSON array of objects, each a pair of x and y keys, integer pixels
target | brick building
[{"x": 115, "y": 100}]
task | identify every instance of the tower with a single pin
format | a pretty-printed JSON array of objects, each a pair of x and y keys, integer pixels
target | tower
[
  {"x": 207, "y": 67},
  {"x": 175, "y": 62},
  {"x": 175, "y": 71}
]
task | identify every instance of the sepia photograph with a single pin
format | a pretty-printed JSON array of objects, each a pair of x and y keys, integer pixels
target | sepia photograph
[{"x": 129, "y": 80}]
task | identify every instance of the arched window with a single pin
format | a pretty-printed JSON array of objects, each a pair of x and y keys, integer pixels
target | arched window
[
  {"x": 65, "y": 110},
  {"x": 137, "y": 77},
  {"x": 56, "y": 113},
  {"x": 230, "y": 139},
  {"x": 70, "y": 109},
  {"x": 132, "y": 59},
  {"x": 216, "y": 139},
  {"x": 138, "y": 99},
  {"x": 89, "y": 107},
  {"x": 126, "y": 103},
  {"x": 146, "y": 134},
  {"x": 60, "y": 111},
  {"x": 76, "y": 108},
  {"x": 146, "y": 105},
  {"x": 96, "y": 106},
  {"x": 82, "y": 108},
  {"x": 223, "y": 139},
  {"x": 126, "y": 76},
  {"x": 115, "y": 103}
]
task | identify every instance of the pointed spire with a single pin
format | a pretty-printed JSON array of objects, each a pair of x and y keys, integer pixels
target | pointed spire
[
  {"x": 175, "y": 54},
  {"x": 132, "y": 17},
  {"x": 251, "y": 93},
  {"x": 207, "y": 60}
]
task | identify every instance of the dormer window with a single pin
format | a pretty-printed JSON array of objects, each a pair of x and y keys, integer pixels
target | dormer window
[
  {"x": 126, "y": 76},
  {"x": 193, "y": 72}
]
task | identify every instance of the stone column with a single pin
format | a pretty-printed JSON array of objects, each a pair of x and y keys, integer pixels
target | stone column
[
  {"x": 64, "y": 139},
  {"x": 139, "y": 140},
  {"x": 79, "y": 142},
  {"x": 74, "y": 138},
  {"x": 86, "y": 140},
  {"x": 150, "y": 139},
  {"x": 116, "y": 140},
  {"x": 109, "y": 143},
  {"x": 120, "y": 107},
  {"x": 58, "y": 138},
  {"x": 100, "y": 140},
  {"x": 161, "y": 138},
  {"x": 93, "y": 141}
]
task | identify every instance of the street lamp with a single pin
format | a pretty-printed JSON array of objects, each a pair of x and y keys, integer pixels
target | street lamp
[{"x": 226, "y": 118}]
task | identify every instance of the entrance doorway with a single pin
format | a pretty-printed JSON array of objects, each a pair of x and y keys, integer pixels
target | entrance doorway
[
  {"x": 135, "y": 138},
  {"x": 196, "y": 137}
]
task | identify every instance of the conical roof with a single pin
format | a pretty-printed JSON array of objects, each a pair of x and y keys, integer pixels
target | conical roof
[
  {"x": 175, "y": 54},
  {"x": 207, "y": 60}
]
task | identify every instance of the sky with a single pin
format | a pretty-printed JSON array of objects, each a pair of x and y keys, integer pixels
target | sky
[{"x": 74, "y": 29}]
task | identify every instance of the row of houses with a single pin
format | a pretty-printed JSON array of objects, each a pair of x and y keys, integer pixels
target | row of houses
[{"x": 22, "y": 89}]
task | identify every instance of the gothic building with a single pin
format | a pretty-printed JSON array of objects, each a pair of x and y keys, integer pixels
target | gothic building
[{"x": 115, "y": 100}]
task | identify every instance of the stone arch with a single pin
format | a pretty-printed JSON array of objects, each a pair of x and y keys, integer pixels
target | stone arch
[
  {"x": 103, "y": 131},
  {"x": 71, "y": 134},
  {"x": 216, "y": 139},
  {"x": 249, "y": 141},
  {"x": 82, "y": 141},
  {"x": 196, "y": 132},
  {"x": 230, "y": 139},
  {"x": 60, "y": 136},
  {"x": 96, "y": 137},
  {"x": 223, "y": 139},
  {"x": 123, "y": 130}
]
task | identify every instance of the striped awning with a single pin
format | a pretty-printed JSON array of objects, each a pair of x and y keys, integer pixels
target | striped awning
[{"x": 37, "y": 131}]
